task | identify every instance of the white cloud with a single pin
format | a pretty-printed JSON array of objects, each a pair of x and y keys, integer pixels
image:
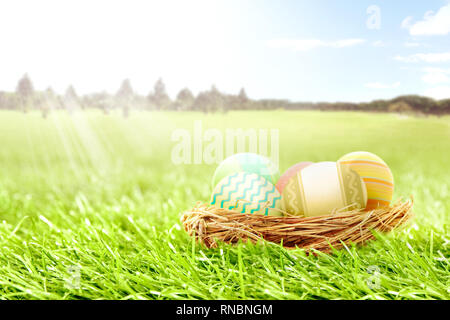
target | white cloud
[
  {"x": 309, "y": 44},
  {"x": 346, "y": 43},
  {"x": 379, "y": 85},
  {"x": 406, "y": 23},
  {"x": 425, "y": 57},
  {"x": 432, "y": 24},
  {"x": 378, "y": 43},
  {"x": 441, "y": 92},
  {"x": 436, "y": 75},
  {"x": 411, "y": 44}
]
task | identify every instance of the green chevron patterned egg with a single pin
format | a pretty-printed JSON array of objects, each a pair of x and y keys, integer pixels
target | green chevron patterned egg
[
  {"x": 246, "y": 162},
  {"x": 247, "y": 193}
]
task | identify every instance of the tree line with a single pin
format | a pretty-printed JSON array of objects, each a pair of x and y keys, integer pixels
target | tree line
[{"x": 26, "y": 98}]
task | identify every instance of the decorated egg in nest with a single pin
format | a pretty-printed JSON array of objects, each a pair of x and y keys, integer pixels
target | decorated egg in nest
[
  {"x": 376, "y": 175},
  {"x": 289, "y": 173},
  {"x": 249, "y": 193},
  {"x": 322, "y": 188},
  {"x": 246, "y": 162}
]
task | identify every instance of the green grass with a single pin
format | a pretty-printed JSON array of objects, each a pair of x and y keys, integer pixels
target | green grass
[{"x": 100, "y": 194}]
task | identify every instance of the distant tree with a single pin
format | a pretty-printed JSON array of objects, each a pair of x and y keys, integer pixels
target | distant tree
[
  {"x": 49, "y": 101},
  {"x": 243, "y": 95},
  {"x": 51, "y": 96},
  {"x": 301, "y": 106},
  {"x": 25, "y": 92},
  {"x": 230, "y": 102},
  {"x": 443, "y": 107},
  {"x": 125, "y": 90},
  {"x": 71, "y": 99},
  {"x": 201, "y": 102},
  {"x": 141, "y": 102},
  {"x": 271, "y": 104},
  {"x": 9, "y": 101},
  {"x": 242, "y": 99},
  {"x": 400, "y": 107},
  {"x": 210, "y": 101},
  {"x": 2, "y": 100},
  {"x": 418, "y": 103},
  {"x": 159, "y": 96},
  {"x": 185, "y": 99},
  {"x": 124, "y": 97},
  {"x": 217, "y": 99},
  {"x": 376, "y": 105},
  {"x": 100, "y": 100},
  {"x": 71, "y": 93}
]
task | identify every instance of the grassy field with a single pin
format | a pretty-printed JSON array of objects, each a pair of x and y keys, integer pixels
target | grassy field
[{"x": 90, "y": 209}]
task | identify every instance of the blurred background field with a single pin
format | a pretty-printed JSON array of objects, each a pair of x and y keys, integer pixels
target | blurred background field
[{"x": 101, "y": 193}]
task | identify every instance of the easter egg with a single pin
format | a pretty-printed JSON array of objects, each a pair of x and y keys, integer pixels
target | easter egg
[
  {"x": 246, "y": 162},
  {"x": 247, "y": 193},
  {"x": 323, "y": 187},
  {"x": 281, "y": 183},
  {"x": 376, "y": 175}
]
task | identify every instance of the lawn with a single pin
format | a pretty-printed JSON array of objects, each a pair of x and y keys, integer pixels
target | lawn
[{"x": 90, "y": 208}]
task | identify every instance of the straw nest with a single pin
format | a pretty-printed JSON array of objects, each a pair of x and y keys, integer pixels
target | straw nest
[{"x": 210, "y": 224}]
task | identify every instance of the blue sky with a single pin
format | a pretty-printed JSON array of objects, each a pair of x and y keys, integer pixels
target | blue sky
[{"x": 297, "y": 50}]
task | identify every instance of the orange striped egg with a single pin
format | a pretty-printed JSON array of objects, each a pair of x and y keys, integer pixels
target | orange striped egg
[{"x": 376, "y": 175}]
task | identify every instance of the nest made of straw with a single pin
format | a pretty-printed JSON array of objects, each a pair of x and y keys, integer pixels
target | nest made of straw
[{"x": 210, "y": 224}]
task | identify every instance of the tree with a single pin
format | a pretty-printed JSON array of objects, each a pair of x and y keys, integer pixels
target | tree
[
  {"x": 217, "y": 100},
  {"x": 201, "y": 102},
  {"x": 159, "y": 96},
  {"x": 49, "y": 101},
  {"x": 100, "y": 100},
  {"x": 185, "y": 99},
  {"x": 25, "y": 92},
  {"x": 71, "y": 100},
  {"x": 9, "y": 101},
  {"x": 210, "y": 101},
  {"x": 124, "y": 96},
  {"x": 242, "y": 99},
  {"x": 376, "y": 105},
  {"x": 3, "y": 100},
  {"x": 443, "y": 107},
  {"x": 418, "y": 103},
  {"x": 400, "y": 107},
  {"x": 125, "y": 91}
]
